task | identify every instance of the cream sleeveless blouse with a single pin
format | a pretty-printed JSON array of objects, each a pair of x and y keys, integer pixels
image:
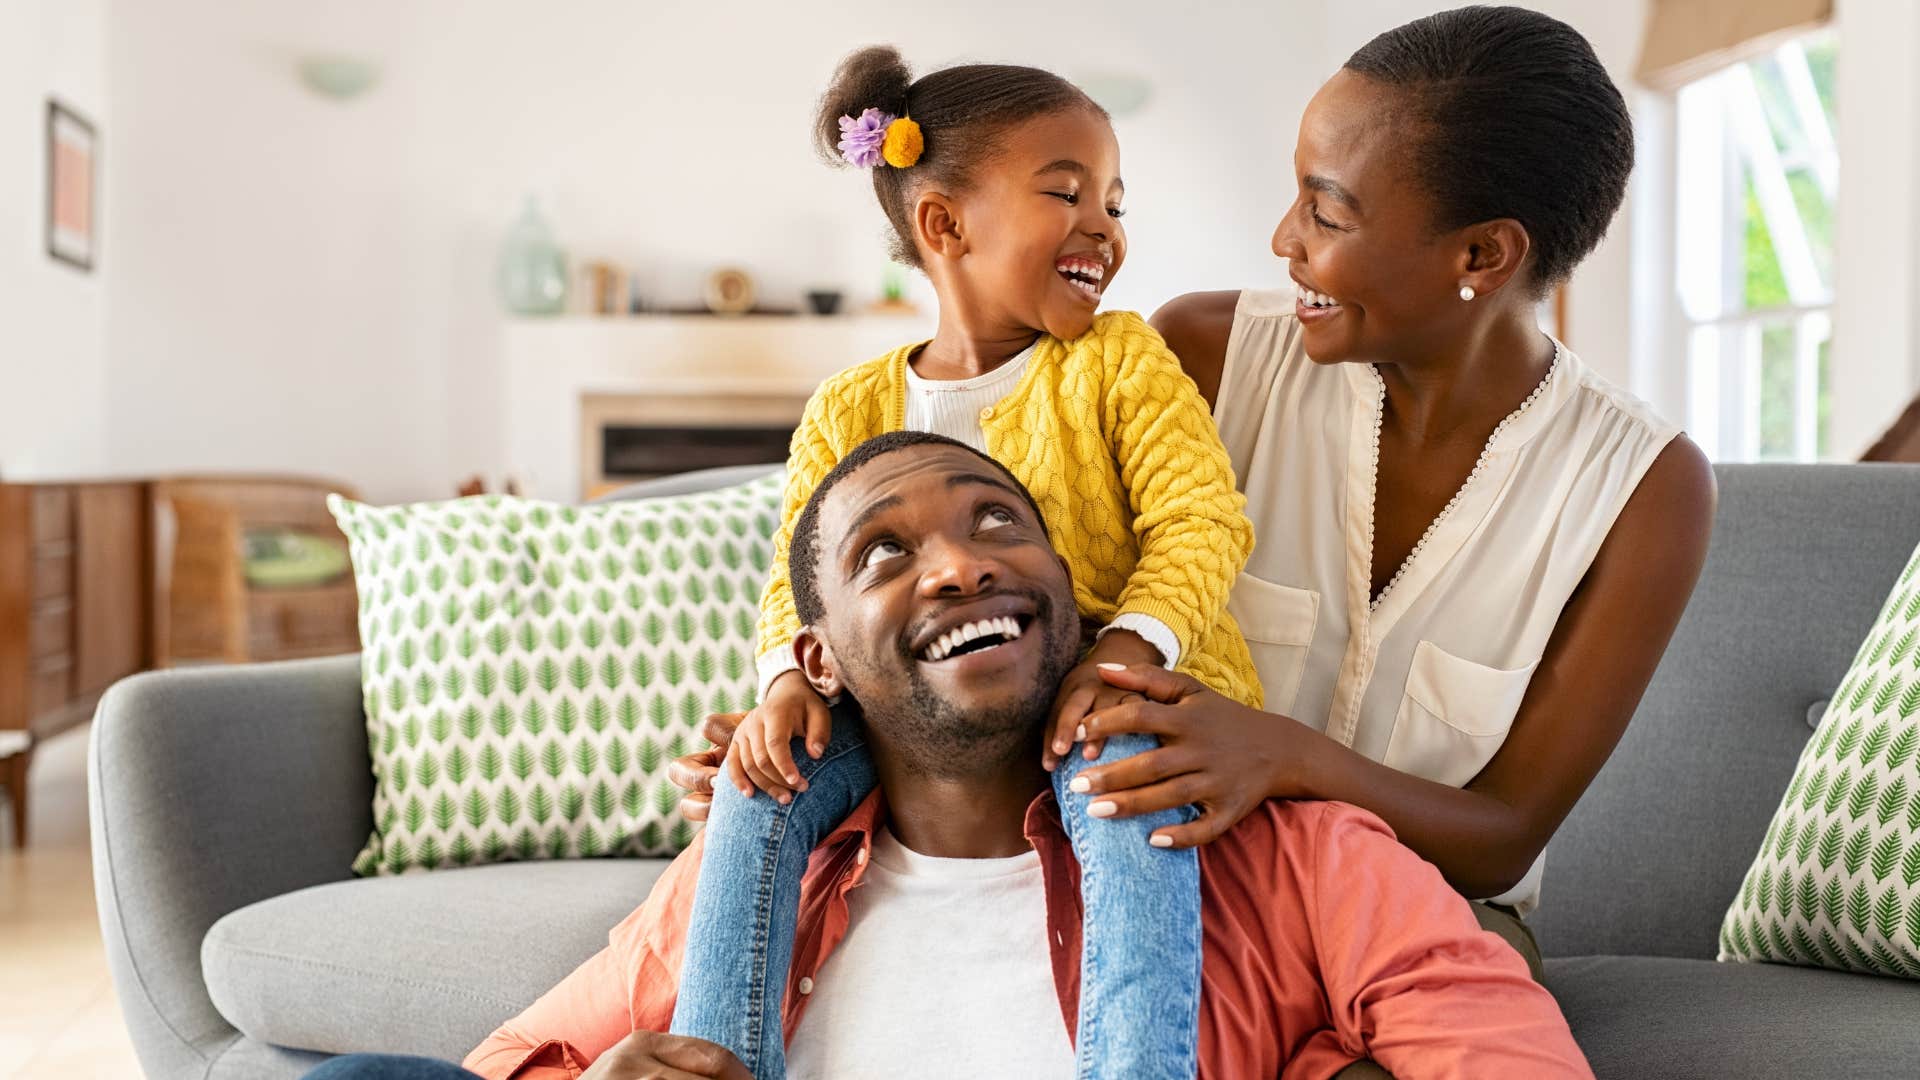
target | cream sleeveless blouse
[{"x": 1429, "y": 679}]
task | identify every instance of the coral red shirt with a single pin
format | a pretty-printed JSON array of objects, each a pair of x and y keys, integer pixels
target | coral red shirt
[{"x": 1325, "y": 941}]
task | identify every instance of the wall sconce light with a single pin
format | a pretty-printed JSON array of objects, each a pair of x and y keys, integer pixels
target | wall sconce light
[
  {"x": 1120, "y": 93},
  {"x": 338, "y": 77}
]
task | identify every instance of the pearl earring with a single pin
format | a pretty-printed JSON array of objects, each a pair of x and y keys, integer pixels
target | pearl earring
[{"x": 1467, "y": 293}]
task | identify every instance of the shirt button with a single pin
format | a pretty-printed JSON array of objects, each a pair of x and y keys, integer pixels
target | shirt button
[
  {"x": 806, "y": 985},
  {"x": 860, "y": 857},
  {"x": 986, "y": 414}
]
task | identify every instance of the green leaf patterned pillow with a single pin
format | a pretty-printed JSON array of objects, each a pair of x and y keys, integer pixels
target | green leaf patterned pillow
[
  {"x": 1837, "y": 881},
  {"x": 529, "y": 668}
]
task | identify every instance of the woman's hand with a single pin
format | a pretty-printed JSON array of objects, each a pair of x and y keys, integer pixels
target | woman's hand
[
  {"x": 696, "y": 772},
  {"x": 1215, "y": 753}
]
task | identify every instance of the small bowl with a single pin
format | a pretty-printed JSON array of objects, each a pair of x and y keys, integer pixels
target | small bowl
[{"x": 824, "y": 301}]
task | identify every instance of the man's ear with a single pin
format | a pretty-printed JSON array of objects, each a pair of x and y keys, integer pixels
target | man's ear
[
  {"x": 1492, "y": 253},
  {"x": 815, "y": 657},
  {"x": 936, "y": 225}
]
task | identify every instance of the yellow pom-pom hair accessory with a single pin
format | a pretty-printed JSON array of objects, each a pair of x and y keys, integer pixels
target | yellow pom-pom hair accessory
[{"x": 903, "y": 144}]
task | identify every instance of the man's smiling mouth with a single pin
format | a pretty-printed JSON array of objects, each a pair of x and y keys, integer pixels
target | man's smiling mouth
[{"x": 974, "y": 637}]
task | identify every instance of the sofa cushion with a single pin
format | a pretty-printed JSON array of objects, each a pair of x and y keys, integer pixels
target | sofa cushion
[
  {"x": 529, "y": 668},
  {"x": 1643, "y": 1016},
  {"x": 1837, "y": 880},
  {"x": 420, "y": 963}
]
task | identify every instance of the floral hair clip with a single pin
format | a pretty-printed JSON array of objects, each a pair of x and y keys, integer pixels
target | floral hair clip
[{"x": 875, "y": 137}]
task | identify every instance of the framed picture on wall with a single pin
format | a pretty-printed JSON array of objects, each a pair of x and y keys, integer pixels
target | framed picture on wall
[{"x": 72, "y": 224}]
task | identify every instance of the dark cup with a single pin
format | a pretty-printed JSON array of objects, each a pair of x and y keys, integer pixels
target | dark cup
[{"x": 824, "y": 301}]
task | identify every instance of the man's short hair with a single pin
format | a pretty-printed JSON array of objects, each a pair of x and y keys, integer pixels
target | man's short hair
[{"x": 803, "y": 553}]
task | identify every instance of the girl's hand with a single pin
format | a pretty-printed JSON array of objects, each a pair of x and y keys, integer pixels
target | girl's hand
[
  {"x": 1082, "y": 692},
  {"x": 1215, "y": 753},
  {"x": 761, "y": 754},
  {"x": 696, "y": 772}
]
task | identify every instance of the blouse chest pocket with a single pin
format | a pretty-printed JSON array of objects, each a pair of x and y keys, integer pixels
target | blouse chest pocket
[
  {"x": 1455, "y": 715},
  {"x": 1278, "y": 622}
]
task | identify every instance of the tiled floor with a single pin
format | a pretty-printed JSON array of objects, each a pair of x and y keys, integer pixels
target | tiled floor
[{"x": 58, "y": 1016}]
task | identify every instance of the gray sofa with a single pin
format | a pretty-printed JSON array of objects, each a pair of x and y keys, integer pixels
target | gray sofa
[{"x": 228, "y": 802}]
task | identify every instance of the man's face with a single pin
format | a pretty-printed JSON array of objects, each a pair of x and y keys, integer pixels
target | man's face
[{"x": 948, "y": 616}]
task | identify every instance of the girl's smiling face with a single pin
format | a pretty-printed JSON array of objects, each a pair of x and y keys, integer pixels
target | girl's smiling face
[{"x": 1036, "y": 238}]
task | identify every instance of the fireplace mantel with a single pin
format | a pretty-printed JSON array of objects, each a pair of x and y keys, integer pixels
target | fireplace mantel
[{"x": 679, "y": 365}]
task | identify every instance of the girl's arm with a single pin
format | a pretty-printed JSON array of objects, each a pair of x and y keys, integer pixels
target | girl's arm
[
  {"x": 1485, "y": 836},
  {"x": 810, "y": 457},
  {"x": 1188, "y": 516}
]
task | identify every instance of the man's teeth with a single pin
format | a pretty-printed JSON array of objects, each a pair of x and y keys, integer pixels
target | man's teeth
[
  {"x": 1316, "y": 299},
  {"x": 1005, "y": 627}
]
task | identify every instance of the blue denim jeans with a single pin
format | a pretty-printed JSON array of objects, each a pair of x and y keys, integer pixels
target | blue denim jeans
[
  {"x": 388, "y": 1067},
  {"x": 1140, "y": 953}
]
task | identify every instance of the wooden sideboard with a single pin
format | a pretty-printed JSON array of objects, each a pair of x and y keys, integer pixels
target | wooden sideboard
[
  {"x": 75, "y": 588},
  {"x": 99, "y": 581}
]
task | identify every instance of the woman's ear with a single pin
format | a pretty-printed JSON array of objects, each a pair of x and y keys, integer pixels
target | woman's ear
[
  {"x": 1493, "y": 253},
  {"x": 936, "y": 225},
  {"x": 816, "y": 662}
]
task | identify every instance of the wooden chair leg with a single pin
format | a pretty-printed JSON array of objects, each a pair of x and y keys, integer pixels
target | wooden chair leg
[{"x": 16, "y": 780}]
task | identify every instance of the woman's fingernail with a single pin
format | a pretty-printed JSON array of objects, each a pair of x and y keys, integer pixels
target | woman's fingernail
[
  {"x": 1081, "y": 785},
  {"x": 1080, "y": 733},
  {"x": 1113, "y": 667},
  {"x": 1158, "y": 840},
  {"x": 1103, "y": 808}
]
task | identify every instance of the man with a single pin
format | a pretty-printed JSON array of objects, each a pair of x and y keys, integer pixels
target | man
[{"x": 931, "y": 919}]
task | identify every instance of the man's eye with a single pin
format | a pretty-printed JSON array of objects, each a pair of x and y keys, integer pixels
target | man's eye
[
  {"x": 995, "y": 518},
  {"x": 880, "y": 552}
]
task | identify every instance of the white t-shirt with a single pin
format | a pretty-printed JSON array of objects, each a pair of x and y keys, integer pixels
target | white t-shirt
[{"x": 944, "y": 972}]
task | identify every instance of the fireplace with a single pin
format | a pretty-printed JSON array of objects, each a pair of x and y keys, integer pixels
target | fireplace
[
  {"x": 592, "y": 402},
  {"x": 629, "y": 437}
]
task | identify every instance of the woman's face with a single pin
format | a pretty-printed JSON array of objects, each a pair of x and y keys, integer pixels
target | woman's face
[{"x": 1376, "y": 279}]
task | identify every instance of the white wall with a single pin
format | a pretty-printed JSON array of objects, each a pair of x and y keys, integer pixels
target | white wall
[
  {"x": 306, "y": 285},
  {"x": 1876, "y": 335},
  {"x": 270, "y": 278},
  {"x": 52, "y": 316}
]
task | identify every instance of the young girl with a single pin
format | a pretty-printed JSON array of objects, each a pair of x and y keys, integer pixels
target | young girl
[{"x": 1002, "y": 184}]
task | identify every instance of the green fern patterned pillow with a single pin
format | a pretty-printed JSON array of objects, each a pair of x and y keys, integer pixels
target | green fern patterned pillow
[
  {"x": 1837, "y": 880},
  {"x": 529, "y": 668}
]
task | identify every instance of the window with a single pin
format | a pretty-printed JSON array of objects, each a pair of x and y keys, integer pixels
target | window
[{"x": 1757, "y": 171}]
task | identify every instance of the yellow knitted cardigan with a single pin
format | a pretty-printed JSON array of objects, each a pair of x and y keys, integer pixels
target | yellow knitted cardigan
[{"x": 1119, "y": 450}]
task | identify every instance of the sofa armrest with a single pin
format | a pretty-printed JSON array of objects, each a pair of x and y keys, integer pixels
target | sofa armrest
[{"x": 211, "y": 789}]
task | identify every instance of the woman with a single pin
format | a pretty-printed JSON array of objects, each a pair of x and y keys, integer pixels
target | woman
[{"x": 1470, "y": 550}]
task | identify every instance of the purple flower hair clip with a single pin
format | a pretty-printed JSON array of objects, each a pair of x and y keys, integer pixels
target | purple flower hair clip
[{"x": 862, "y": 137}]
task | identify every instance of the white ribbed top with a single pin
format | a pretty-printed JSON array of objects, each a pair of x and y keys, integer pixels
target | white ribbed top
[
  {"x": 952, "y": 407},
  {"x": 1430, "y": 678}
]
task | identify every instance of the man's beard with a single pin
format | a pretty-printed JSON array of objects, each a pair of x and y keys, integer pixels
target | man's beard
[{"x": 939, "y": 738}]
